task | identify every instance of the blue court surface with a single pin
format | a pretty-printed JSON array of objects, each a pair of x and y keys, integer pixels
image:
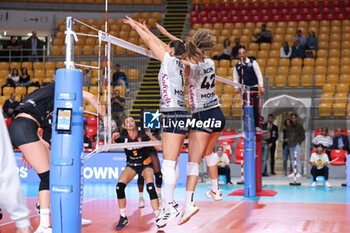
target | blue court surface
[{"x": 304, "y": 194}]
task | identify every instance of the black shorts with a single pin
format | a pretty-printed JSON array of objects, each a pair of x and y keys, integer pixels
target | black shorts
[
  {"x": 23, "y": 130},
  {"x": 139, "y": 169},
  {"x": 213, "y": 120},
  {"x": 175, "y": 122}
]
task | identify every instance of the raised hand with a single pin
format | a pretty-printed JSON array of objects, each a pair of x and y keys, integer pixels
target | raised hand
[{"x": 161, "y": 28}]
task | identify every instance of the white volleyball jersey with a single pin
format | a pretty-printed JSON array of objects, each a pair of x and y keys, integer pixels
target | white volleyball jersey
[
  {"x": 172, "y": 84},
  {"x": 201, "y": 87}
]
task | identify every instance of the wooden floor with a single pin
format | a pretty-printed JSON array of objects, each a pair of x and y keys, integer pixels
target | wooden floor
[{"x": 224, "y": 216}]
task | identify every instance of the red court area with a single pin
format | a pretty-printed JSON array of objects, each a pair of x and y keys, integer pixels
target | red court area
[{"x": 224, "y": 216}]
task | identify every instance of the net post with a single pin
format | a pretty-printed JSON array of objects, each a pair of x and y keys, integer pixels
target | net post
[
  {"x": 69, "y": 43},
  {"x": 66, "y": 169},
  {"x": 249, "y": 152}
]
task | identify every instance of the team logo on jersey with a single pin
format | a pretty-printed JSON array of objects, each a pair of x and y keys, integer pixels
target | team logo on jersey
[{"x": 151, "y": 120}]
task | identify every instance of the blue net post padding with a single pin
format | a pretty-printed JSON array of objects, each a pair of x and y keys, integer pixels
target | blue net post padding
[
  {"x": 66, "y": 184},
  {"x": 249, "y": 152}
]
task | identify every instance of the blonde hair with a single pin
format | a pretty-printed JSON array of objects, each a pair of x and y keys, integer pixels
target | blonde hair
[{"x": 201, "y": 42}]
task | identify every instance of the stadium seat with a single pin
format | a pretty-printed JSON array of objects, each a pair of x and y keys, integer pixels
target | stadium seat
[
  {"x": 308, "y": 70},
  {"x": 321, "y": 61},
  {"x": 340, "y": 154},
  {"x": 325, "y": 110},
  {"x": 340, "y": 98},
  {"x": 237, "y": 110},
  {"x": 7, "y": 91},
  {"x": 16, "y": 65},
  {"x": 20, "y": 91},
  {"x": 332, "y": 78},
  {"x": 333, "y": 61},
  {"x": 334, "y": 52},
  {"x": 293, "y": 80},
  {"x": 239, "y": 152},
  {"x": 328, "y": 88},
  {"x": 27, "y": 65},
  {"x": 333, "y": 70},
  {"x": 320, "y": 79},
  {"x": 322, "y": 53},
  {"x": 31, "y": 89},
  {"x": 280, "y": 81},
  {"x": 327, "y": 98},
  {"x": 339, "y": 109},
  {"x": 297, "y": 62},
  {"x": 274, "y": 54},
  {"x": 285, "y": 62},
  {"x": 306, "y": 80},
  {"x": 295, "y": 70},
  {"x": 342, "y": 88},
  {"x": 270, "y": 71}
]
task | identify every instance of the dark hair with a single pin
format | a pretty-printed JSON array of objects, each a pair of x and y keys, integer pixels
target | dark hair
[
  {"x": 270, "y": 115},
  {"x": 225, "y": 42},
  {"x": 320, "y": 146},
  {"x": 14, "y": 70},
  {"x": 24, "y": 68},
  {"x": 179, "y": 48},
  {"x": 285, "y": 122},
  {"x": 293, "y": 114},
  {"x": 220, "y": 147},
  {"x": 117, "y": 65}
]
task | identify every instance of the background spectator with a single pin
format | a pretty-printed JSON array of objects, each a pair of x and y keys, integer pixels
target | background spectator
[
  {"x": 13, "y": 47},
  {"x": 238, "y": 45},
  {"x": 86, "y": 77},
  {"x": 325, "y": 140},
  {"x": 265, "y": 147},
  {"x": 25, "y": 78},
  {"x": 271, "y": 142},
  {"x": 119, "y": 77},
  {"x": 299, "y": 37},
  {"x": 23, "y": 96},
  {"x": 298, "y": 50},
  {"x": 87, "y": 140},
  {"x": 264, "y": 36},
  {"x": 285, "y": 51},
  {"x": 311, "y": 44},
  {"x": 285, "y": 147},
  {"x": 295, "y": 136},
  {"x": 10, "y": 105},
  {"x": 340, "y": 141},
  {"x": 226, "y": 50},
  {"x": 118, "y": 104},
  {"x": 312, "y": 41},
  {"x": 252, "y": 77},
  {"x": 35, "y": 47},
  {"x": 223, "y": 163},
  {"x": 319, "y": 162},
  {"x": 13, "y": 79}
]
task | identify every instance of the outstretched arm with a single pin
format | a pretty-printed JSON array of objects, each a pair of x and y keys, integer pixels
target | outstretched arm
[
  {"x": 154, "y": 37},
  {"x": 166, "y": 33},
  {"x": 157, "y": 49}
]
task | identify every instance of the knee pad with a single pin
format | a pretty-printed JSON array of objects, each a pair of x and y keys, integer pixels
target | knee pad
[
  {"x": 140, "y": 180},
  {"x": 159, "y": 178},
  {"x": 192, "y": 169},
  {"x": 44, "y": 181},
  {"x": 151, "y": 191},
  {"x": 168, "y": 170},
  {"x": 120, "y": 190},
  {"x": 211, "y": 160}
]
